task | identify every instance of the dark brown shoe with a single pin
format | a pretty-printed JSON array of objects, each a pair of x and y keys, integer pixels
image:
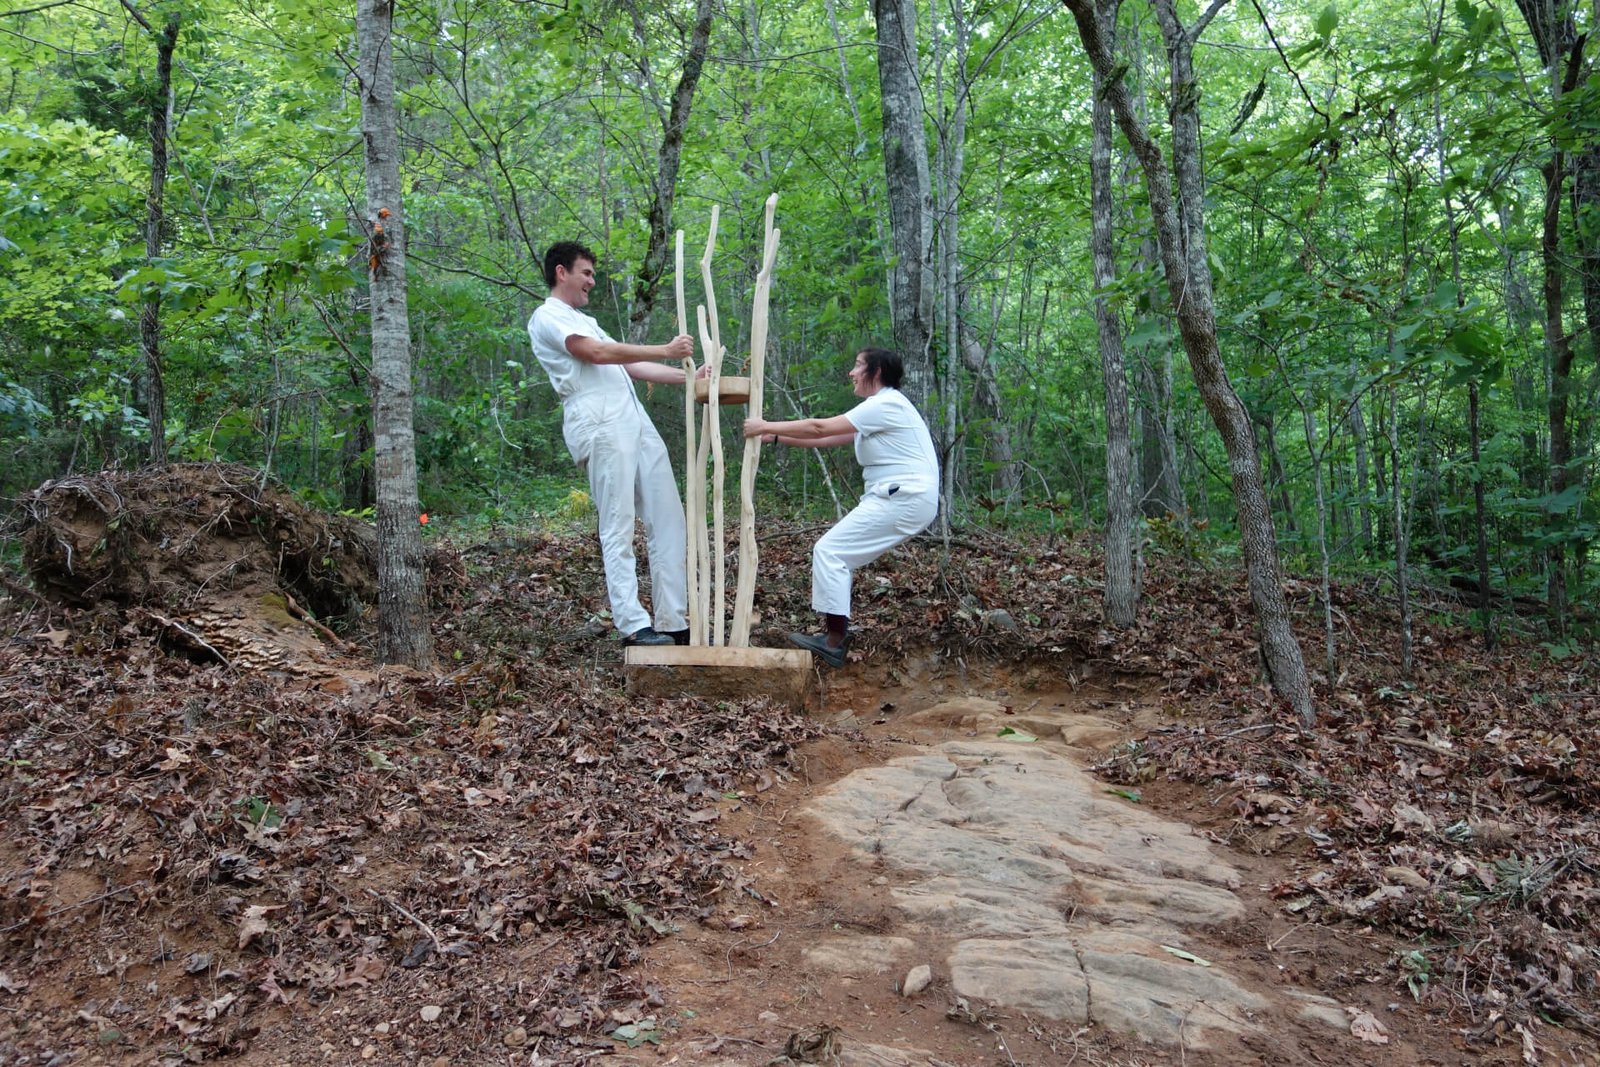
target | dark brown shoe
[{"x": 817, "y": 644}]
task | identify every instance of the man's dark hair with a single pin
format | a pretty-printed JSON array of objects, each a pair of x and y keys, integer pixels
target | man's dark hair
[
  {"x": 884, "y": 365},
  {"x": 564, "y": 254}
]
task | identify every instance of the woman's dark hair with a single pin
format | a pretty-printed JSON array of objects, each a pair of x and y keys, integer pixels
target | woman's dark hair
[
  {"x": 884, "y": 365},
  {"x": 564, "y": 254}
]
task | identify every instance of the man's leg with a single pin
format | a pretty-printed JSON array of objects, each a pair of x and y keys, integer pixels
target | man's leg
[
  {"x": 666, "y": 539},
  {"x": 612, "y": 464}
]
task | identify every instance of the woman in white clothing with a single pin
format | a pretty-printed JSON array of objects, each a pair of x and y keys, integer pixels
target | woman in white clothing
[{"x": 901, "y": 471}]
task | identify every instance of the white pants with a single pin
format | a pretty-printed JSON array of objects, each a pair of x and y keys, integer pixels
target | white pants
[
  {"x": 615, "y": 443},
  {"x": 879, "y": 522}
]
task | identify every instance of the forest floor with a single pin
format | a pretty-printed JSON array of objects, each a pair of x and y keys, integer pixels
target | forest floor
[{"x": 228, "y": 836}]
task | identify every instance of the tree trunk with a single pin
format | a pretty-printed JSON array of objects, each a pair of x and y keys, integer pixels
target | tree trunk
[
  {"x": 1402, "y": 534},
  {"x": 659, "y": 218},
  {"x": 1279, "y": 478},
  {"x": 1561, "y": 51},
  {"x": 986, "y": 391},
  {"x": 1558, "y": 347},
  {"x": 905, "y": 166},
  {"x": 1180, "y": 232},
  {"x": 1121, "y": 597},
  {"x": 1356, "y": 425},
  {"x": 951, "y": 161},
  {"x": 1161, "y": 489},
  {"x": 154, "y": 218},
  {"x": 403, "y": 634}
]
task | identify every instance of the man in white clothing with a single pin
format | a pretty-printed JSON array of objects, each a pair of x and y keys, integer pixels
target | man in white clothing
[{"x": 612, "y": 439}]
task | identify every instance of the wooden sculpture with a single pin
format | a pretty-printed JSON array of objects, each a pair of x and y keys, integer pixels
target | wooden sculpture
[
  {"x": 748, "y": 554},
  {"x": 733, "y": 670}
]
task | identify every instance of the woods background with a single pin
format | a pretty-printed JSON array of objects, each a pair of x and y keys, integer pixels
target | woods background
[{"x": 1395, "y": 208}]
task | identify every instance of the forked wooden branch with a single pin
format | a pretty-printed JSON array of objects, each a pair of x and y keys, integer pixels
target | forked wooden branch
[
  {"x": 749, "y": 556},
  {"x": 710, "y": 332},
  {"x": 694, "y": 492}
]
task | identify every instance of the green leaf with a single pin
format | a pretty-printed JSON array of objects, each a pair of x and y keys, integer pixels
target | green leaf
[
  {"x": 1327, "y": 22},
  {"x": 1127, "y": 794},
  {"x": 1182, "y": 955},
  {"x": 1011, "y": 734},
  {"x": 635, "y": 1034}
]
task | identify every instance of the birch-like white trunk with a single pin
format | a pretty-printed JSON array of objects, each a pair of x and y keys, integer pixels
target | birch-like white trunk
[{"x": 403, "y": 634}]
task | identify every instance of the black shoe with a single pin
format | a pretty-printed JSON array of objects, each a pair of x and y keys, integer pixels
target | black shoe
[
  {"x": 648, "y": 636},
  {"x": 679, "y": 637},
  {"x": 818, "y": 645}
]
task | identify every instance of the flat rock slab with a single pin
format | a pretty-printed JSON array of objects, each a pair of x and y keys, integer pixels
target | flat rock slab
[{"x": 1050, "y": 895}]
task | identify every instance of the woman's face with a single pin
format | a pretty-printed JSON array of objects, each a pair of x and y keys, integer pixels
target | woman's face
[{"x": 864, "y": 381}]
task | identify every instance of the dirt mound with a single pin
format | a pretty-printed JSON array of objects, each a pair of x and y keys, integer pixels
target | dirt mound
[{"x": 225, "y": 563}]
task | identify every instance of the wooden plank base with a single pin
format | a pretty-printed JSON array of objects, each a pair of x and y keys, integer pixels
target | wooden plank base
[{"x": 719, "y": 672}]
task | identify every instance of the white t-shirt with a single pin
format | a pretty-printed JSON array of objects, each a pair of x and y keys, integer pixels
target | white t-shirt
[
  {"x": 893, "y": 445},
  {"x": 552, "y": 323}
]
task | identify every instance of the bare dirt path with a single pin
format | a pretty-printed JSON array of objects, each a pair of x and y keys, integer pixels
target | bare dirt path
[{"x": 1057, "y": 951}]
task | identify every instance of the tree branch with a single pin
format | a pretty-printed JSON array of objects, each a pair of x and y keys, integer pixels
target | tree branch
[
  {"x": 137, "y": 17},
  {"x": 1204, "y": 20},
  {"x": 41, "y": 7},
  {"x": 1286, "y": 65}
]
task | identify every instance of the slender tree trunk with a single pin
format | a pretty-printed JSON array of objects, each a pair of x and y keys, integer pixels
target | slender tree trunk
[
  {"x": 1586, "y": 209},
  {"x": 986, "y": 391},
  {"x": 1474, "y": 410},
  {"x": 1161, "y": 487},
  {"x": 1181, "y": 236},
  {"x": 154, "y": 220},
  {"x": 1308, "y": 422},
  {"x": 1276, "y": 474},
  {"x": 1561, "y": 51},
  {"x": 1121, "y": 597},
  {"x": 905, "y": 165},
  {"x": 950, "y": 162},
  {"x": 1402, "y": 534},
  {"x": 1356, "y": 426},
  {"x": 867, "y": 190},
  {"x": 659, "y": 217},
  {"x": 1558, "y": 347},
  {"x": 403, "y": 634}
]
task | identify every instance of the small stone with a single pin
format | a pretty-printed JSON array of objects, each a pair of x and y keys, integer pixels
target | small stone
[
  {"x": 381, "y": 1028},
  {"x": 515, "y": 1038},
  {"x": 431, "y": 1012},
  {"x": 442, "y": 1061},
  {"x": 768, "y": 1017},
  {"x": 527, "y": 929},
  {"x": 327, "y": 1048},
  {"x": 917, "y": 979},
  {"x": 880, "y": 880},
  {"x": 369, "y": 1051}
]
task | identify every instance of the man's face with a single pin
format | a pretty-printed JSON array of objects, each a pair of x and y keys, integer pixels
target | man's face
[{"x": 573, "y": 284}]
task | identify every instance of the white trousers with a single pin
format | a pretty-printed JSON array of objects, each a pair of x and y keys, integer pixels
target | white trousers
[
  {"x": 878, "y": 523},
  {"x": 630, "y": 477}
]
